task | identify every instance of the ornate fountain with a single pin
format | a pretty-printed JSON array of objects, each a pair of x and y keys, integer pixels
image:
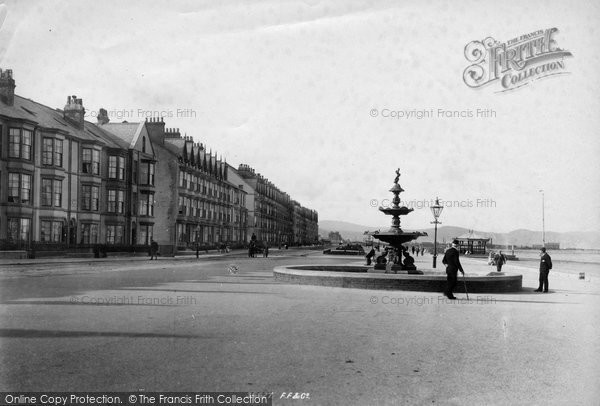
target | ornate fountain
[
  {"x": 395, "y": 237},
  {"x": 346, "y": 275}
]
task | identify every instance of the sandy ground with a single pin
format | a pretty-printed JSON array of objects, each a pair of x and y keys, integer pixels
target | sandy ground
[{"x": 184, "y": 325}]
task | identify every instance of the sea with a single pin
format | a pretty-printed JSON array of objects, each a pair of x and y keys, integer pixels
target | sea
[{"x": 566, "y": 261}]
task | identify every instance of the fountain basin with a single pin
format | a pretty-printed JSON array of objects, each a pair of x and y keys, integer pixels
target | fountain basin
[
  {"x": 396, "y": 239},
  {"x": 359, "y": 277},
  {"x": 397, "y": 211}
]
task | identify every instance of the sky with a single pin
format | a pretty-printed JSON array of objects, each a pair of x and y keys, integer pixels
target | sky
[{"x": 304, "y": 91}]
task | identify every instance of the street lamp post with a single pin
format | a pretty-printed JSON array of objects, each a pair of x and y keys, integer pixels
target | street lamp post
[
  {"x": 543, "y": 221},
  {"x": 436, "y": 209}
]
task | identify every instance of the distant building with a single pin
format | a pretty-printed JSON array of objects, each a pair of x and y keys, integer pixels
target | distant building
[
  {"x": 196, "y": 204},
  {"x": 243, "y": 198},
  {"x": 549, "y": 246},
  {"x": 273, "y": 216},
  {"x": 335, "y": 238},
  {"x": 473, "y": 243},
  {"x": 305, "y": 225}
]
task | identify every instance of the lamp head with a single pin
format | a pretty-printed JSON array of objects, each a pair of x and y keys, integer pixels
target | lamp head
[{"x": 437, "y": 208}]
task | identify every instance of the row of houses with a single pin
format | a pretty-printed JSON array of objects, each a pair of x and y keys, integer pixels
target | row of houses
[{"x": 66, "y": 183}]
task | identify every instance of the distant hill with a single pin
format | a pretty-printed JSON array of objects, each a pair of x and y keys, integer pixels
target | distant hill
[
  {"x": 521, "y": 237},
  {"x": 347, "y": 230}
]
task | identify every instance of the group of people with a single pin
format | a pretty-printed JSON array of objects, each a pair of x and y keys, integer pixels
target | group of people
[
  {"x": 497, "y": 259},
  {"x": 417, "y": 250},
  {"x": 453, "y": 266},
  {"x": 381, "y": 259},
  {"x": 391, "y": 255}
]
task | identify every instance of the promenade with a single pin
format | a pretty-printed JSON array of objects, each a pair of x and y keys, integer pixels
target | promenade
[{"x": 182, "y": 324}]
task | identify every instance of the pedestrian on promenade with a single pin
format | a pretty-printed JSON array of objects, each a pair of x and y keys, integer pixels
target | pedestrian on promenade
[
  {"x": 153, "y": 250},
  {"x": 500, "y": 260},
  {"x": 370, "y": 255},
  {"x": 545, "y": 267},
  {"x": 453, "y": 265},
  {"x": 266, "y": 251},
  {"x": 413, "y": 250}
]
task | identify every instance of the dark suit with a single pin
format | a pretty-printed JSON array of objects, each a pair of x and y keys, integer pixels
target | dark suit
[
  {"x": 452, "y": 267},
  {"x": 500, "y": 260},
  {"x": 545, "y": 267},
  {"x": 153, "y": 250}
]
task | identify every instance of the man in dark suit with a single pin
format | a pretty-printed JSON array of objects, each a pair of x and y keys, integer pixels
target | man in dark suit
[
  {"x": 500, "y": 260},
  {"x": 452, "y": 267},
  {"x": 545, "y": 267},
  {"x": 153, "y": 249}
]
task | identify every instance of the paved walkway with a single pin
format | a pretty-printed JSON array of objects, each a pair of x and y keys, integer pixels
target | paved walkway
[
  {"x": 186, "y": 255},
  {"x": 343, "y": 346}
]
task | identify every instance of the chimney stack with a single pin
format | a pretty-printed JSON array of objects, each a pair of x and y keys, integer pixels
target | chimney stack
[
  {"x": 103, "y": 116},
  {"x": 7, "y": 87},
  {"x": 172, "y": 133},
  {"x": 156, "y": 129},
  {"x": 74, "y": 111}
]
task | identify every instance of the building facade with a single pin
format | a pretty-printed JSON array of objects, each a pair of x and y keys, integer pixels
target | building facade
[
  {"x": 66, "y": 183},
  {"x": 274, "y": 217},
  {"x": 129, "y": 215},
  {"x": 305, "y": 225},
  {"x": 198, "y": 206},
  {"x": 70, "y": 185}
]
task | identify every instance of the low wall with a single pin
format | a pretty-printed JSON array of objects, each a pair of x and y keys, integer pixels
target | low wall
[
  {"x": 343, "y": 252},
  {"x": 14, "y": 254},
  {"x": 337, "y": 276}
]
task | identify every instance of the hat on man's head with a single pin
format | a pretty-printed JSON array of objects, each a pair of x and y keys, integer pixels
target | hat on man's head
[
  {"x": 543, "y": 249},
  {"x": 455, "y": 242}
]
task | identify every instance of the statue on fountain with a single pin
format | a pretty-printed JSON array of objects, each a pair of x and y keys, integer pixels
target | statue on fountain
[{"x": 409, "y": 262}]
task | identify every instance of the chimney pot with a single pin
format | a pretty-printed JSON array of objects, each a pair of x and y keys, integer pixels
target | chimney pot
[
  {"x": 74, "y": 111},
  {"x": 103, "y": 116},
  {"x": 7, "y": 87}
]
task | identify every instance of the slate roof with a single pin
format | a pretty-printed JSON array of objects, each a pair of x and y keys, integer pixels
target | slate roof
[
  {"x": 49, "y": 118},
  {"x": 126, "y": 133}
]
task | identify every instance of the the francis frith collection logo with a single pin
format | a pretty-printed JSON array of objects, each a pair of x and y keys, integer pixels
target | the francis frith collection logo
[{"x": 514, "y": 63}]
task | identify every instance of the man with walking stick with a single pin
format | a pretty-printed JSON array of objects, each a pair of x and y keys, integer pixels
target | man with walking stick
[{"x": 452, "y": 267}]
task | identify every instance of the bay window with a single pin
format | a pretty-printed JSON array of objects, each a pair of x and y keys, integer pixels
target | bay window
[
  {"x": 19, "y": 188},
  {"x": 52, "y": 152},
  {"x": 19, "y": 143},
  {"x": 116, "y": 167},
  {"x": 90, "y": 160},
  {"x": 116, "y": 202}
]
